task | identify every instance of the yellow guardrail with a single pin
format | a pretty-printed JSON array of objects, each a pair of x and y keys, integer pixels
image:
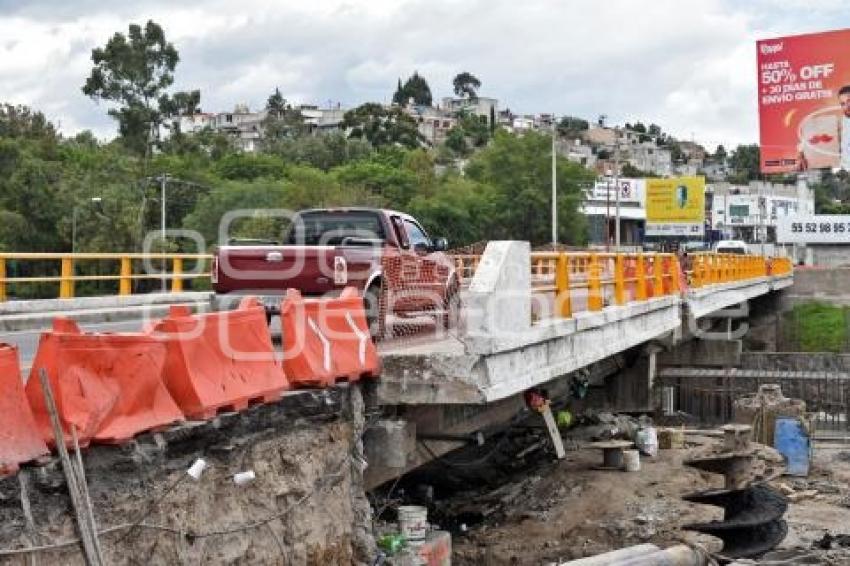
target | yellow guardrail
[
  {"x": 619, "y": 278},
  {"x": 124, "y": 273}
]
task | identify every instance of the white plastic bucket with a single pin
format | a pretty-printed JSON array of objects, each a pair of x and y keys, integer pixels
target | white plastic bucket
[
  {"x": 631, "y": 460},
  {"x": 413, "y": 521}
]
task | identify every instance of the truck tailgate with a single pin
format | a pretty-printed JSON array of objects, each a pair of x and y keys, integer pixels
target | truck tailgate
[{"x": 310, "y": 269}]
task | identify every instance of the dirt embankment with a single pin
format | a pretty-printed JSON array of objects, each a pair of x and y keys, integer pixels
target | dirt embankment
[{"x": 306, "y": 504}]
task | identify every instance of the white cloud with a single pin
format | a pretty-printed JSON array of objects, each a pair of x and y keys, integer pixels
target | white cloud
[{"x": 686, "y": 66}]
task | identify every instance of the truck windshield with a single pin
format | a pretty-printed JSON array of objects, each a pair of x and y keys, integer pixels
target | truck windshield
[{"x": 335, "y": 228}]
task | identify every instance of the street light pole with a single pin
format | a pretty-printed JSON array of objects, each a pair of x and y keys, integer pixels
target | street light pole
[
  {"x": 554, "y": 190},
  {"x": 617, "y": 188}
]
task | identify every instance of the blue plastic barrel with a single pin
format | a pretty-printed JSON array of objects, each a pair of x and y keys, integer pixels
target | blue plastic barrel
[{"x": 792, "y": 441}]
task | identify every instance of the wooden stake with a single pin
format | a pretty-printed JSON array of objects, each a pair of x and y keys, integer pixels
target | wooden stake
[
  {"x": 89, "y": 548},
  {"x": 84, "y": 489}
]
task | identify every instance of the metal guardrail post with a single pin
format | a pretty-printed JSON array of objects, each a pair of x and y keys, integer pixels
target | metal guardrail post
[
  {"x": 125, "y": 283},
  {"x": 657, "y": 276},
  {"x": 3, "y": 295},
  {"x": 640, "y": 292},
  {"x": 66, "y": 280},
  {"x": 619, "y": 281},
  {"x": 594, "y": 286},
  {"x": 563, "y": 304},
  {"x": 177, "y": 275}
]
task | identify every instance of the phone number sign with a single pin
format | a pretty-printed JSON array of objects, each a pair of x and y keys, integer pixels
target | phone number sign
[{"x": 816, "y": 229}]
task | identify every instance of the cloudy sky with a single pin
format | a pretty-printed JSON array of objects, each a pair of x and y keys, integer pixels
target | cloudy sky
[{"x": 688, "y": 65}]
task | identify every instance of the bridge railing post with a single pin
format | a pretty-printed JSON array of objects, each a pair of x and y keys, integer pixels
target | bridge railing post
[
  {"x": 619, "y": 280},
  {"x": 125, "y": 283},
  {"x": 594, "y": 286},
  {"x": 658, "y": 276},
  {"x": 177, "y": 275},
  {"x": 640, "y": 287},
  {"x": 563, "y": 304},
  {"x": 66, "y": 278}
]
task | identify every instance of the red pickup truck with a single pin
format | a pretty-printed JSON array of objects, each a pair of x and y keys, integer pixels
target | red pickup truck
[{"x": 386, "y": 254}]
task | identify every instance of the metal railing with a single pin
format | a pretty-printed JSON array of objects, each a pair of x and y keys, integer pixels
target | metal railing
[
  {"x": 606, "y": 278},
  {"x": 124, "y": 274},
  {"x": 710, "y": 268}
]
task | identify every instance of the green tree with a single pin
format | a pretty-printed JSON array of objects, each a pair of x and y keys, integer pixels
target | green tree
[
  {"x": 415, "y": 88},
  {"x": 247, "y": 166},
  {"x": 570, "y": 126},
  {"x": 382, "y": 126},
  {"x": 456, "y": 141},
  {"x": 460, "y": 210},
  {"x": 745, "y": 162},
  {"x": 134, "y": 71},
  {"x": 282, "y": 120},
  {"x": 519, "y": 170},
  {"x": 388, "y": 184},
  {"x": 466, "y": 85},
  {"x": 276, "y": 104},
  {"x": 720, "y": 154}
]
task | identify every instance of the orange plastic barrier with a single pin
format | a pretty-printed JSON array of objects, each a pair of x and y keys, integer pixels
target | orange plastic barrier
[
  {"x": 326, "y": 340},
  {"x": 219, "y": 360},
  {"x": 108, "y": 386},
  {"x": 20, "y": 440}
]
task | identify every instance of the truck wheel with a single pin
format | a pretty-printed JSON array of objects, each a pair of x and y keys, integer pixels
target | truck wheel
[{"x": 375, "y": 318}]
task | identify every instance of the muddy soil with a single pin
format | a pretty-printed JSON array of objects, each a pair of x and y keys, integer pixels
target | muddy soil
[{"x": 569, "y": 509}]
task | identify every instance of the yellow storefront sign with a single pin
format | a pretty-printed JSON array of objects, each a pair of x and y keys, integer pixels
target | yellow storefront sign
[{"x": 679, "y": 200}]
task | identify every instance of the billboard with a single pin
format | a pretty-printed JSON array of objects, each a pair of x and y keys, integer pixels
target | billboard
[
  {"x": 813, "y": 229},
  {"x": 631, "y": 190},
  {"x": 675, "y": 207},
  {"x": 804, "y": 101}
]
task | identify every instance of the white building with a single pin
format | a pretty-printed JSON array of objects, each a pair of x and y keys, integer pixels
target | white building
[
  {"x": 322, "y": 120},
  {"x": 750, "y": 212},
  {"x": 482, "y": 106},
  {"x": 647, "y": 156},
  {"x": 433, "y": 123},
  {"x": 600, "y": 207}
]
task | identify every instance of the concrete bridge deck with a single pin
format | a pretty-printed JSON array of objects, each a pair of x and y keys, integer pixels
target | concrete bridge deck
[{"x": 502, "y": 350}]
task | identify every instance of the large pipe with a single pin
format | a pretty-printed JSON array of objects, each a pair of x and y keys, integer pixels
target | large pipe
[
  {"x": 645, "y": 555},
  {"x": 679, "y": 555},
  {"x": 614, "y": 556}
]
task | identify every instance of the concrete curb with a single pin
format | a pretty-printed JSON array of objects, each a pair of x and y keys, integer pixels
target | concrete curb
[{"x": 44, "y": 320}]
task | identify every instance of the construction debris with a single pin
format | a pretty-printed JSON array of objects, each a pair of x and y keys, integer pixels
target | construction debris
[{"x": 761, "y": 409}]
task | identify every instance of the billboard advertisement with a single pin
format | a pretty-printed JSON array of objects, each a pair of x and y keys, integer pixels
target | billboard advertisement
[
  {"x": 813, "y": 229},
  {"x": 631, "y": 190},
  {"x": 675, "y": 206},
  {"x": 804, "y": 101}
]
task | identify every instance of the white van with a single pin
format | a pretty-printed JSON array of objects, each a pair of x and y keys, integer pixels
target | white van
[{"x": 731, "y": 247}]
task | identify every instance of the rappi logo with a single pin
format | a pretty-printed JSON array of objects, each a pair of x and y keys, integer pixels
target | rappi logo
[{"x": 770, "y": 48}]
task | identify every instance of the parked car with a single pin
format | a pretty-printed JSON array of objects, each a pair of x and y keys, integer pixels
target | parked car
[
  {"x": 398, "y": 267},
  {"x": 731, "y": 247}
]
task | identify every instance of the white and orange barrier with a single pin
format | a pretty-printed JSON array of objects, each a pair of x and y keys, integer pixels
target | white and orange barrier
[
  {"x": 219, "y": 360},
  {"x": 108, "y": 386},
  {"x": 326, "y": 340},
  {"x": 20, "y": 440}
]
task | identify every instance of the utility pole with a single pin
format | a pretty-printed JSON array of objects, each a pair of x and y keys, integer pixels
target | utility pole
[
  {"x": 554, "y": 190},
  {"x": 617, "y": 188},
  {"x": 608, "y": 212}
]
